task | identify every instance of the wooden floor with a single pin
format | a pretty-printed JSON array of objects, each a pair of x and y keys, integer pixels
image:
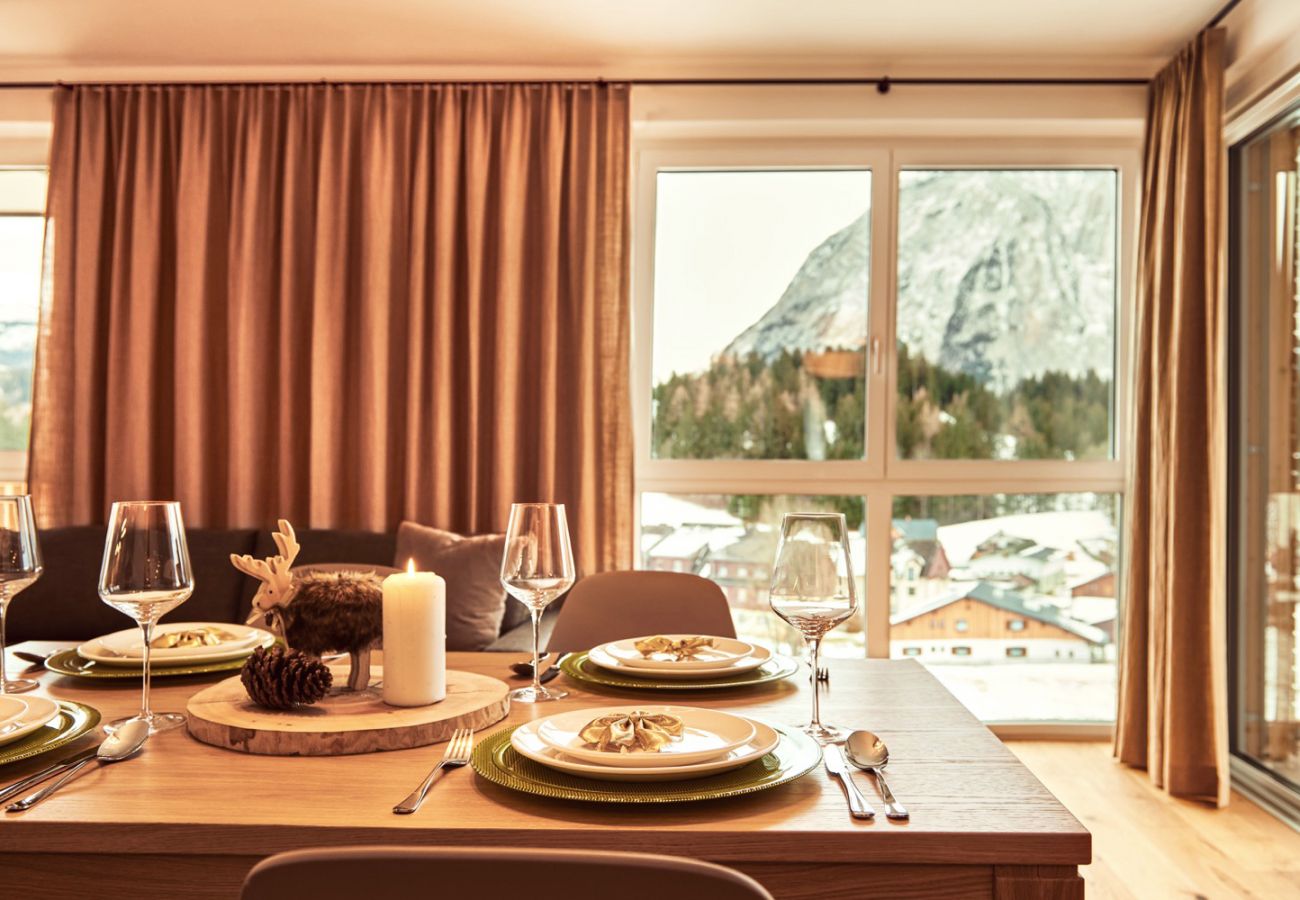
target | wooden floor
[{"x": 1148, "y": 846}]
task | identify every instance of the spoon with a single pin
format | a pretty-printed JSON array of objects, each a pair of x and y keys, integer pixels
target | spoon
[
  {"x": 869, "y": 753},
  {"x": 121, "y": 744}
]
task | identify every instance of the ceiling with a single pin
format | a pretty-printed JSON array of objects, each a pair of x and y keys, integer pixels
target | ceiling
[{"x": 257, "y": 39}]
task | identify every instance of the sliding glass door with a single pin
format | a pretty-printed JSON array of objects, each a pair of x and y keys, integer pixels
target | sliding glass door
[{"x": 1266, "y": 345}]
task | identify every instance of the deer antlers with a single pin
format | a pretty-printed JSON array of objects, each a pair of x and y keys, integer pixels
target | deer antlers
[{"x": 275, "y": 570}]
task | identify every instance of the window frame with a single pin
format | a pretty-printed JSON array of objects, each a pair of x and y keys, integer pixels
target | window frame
[{"x": 881, "y": 476}]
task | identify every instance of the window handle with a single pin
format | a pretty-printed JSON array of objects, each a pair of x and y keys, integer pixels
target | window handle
[{"x": 877, "y": 359}]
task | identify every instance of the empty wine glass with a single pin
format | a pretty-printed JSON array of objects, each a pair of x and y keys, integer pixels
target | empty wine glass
[
  {"x": 20, "y": 565},
  {"x": 813, "y": 590},
  {"x": 536, "y": 568},
  {"x": 146, "y": 573}
]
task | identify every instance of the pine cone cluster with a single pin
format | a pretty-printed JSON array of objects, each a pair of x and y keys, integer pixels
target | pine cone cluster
[{"x": 280, "y": 678}]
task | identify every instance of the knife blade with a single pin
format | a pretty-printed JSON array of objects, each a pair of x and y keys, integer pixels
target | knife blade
[{"x": 838, "y": 766}]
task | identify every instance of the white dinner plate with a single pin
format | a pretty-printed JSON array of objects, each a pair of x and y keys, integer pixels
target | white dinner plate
[
  {"x": 735, "y": 667},
  {"x": 126, "y": 647},
  {"x": 724, "y": 651},
  {"x": 706, "y": 734},
  {"x": 527, "y": 743},
  {"x": 35, "y": 713}
]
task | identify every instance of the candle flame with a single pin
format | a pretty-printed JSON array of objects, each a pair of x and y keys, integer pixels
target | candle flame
[{"x": 410, "y": 566}]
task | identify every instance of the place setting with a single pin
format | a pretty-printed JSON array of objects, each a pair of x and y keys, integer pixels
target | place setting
[
  {"x": 678, "y": 662},
  {"x": 177, "y": 649},
  {"x": 644, "y": 754}
]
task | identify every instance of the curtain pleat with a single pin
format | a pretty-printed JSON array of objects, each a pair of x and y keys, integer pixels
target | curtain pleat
[
  {"x": 346, "y": 305},
  {"x": 1172, "y": 718}
]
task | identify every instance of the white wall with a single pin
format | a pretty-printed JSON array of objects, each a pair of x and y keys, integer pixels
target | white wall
[
  {"x": 25, "y": 126},
  {"x": 919, "y": 111},
  {"x": 1263, "y": 46}
]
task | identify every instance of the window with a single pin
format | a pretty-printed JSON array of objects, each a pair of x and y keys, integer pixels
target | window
[
  {"x": 854, "y": 326},
  {"x": 1016, "y": 652},
  {"x": 1265, "y": 343},
  {"x": 22, "y": 236}
]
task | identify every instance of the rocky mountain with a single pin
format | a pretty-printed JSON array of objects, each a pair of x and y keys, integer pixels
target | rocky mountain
[{"x": 1000, "y": 274}]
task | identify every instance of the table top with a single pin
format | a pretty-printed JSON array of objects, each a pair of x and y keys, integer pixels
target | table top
[{"x": 971, "y": 800}]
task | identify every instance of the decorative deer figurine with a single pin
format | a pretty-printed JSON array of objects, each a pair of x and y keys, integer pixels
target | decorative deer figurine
[{"x": 316, "y": 612}]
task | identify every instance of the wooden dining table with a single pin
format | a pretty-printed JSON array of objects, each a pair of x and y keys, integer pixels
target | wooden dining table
[{"x": 185, "y": 819}]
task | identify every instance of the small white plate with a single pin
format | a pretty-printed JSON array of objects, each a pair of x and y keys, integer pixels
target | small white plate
[
  {"x": 724, "y": 651},
  {"x": 735, "y": 667},
  {"x": 706, "y": 734},
  {"x": 529, "y": 745},
  {"x": 36, "y": 712},
  {"x": 126, "y": 647}
]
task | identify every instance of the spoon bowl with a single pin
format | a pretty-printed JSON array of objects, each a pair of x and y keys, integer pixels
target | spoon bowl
[{"x": 866, "y": 750}]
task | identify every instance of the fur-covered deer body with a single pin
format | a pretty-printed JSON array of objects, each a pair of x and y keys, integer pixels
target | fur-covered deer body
[{"x": 317, "y": 612}]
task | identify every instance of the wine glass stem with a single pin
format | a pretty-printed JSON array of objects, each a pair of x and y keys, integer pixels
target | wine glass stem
[
  {"x": 4, "y": 608},
  {"x": 146, "y": 627},
  {"x": 537, "y": 647},
  {"x": 814, "y": 651}
]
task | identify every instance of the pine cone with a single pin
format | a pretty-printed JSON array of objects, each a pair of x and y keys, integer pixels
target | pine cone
[{"x": 280, "y": 678}]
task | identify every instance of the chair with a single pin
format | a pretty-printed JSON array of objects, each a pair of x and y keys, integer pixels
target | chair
[
  {"x": 615, "y": 605},
  {"x": 452, "y": 873}
]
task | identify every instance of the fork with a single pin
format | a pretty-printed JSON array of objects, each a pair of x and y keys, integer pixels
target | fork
[{"x": 455, "y": 756}]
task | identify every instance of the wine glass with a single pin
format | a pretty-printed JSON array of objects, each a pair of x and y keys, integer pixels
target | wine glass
[
  {"x": 20, "y": 565},
  {"x": 146, "y": 573},
  {"x": 536, "y": 568},
  {"x": 813, "y": 590}
]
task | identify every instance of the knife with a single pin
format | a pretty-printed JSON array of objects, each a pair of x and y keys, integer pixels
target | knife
[
  {"x": 19, "y": 787},
  {"x": 838, "y": 766}
]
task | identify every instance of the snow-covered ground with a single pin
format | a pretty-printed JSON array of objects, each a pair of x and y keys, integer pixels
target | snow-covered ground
[{"x": 1033, "y": 692}]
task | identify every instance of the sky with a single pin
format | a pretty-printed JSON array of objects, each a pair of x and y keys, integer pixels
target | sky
[{"x": 727, "y": 245}]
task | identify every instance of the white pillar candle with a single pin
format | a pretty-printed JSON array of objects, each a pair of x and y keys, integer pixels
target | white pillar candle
[{"x": 415, "y": 638}]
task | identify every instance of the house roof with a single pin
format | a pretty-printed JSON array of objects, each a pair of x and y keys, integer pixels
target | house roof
[
  {"x": 1010, "y": 601},
  {"x": 917, "y": 529}
]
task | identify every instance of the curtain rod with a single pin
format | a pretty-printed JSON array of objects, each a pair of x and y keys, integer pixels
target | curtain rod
[
  {"x": 1223, "y": 13},
  {"x": 882, "y": 83}
]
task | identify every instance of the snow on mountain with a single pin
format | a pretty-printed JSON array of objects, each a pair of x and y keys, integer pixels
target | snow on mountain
[
  {"x": 1001, "y": 274},
  {"x": 825, "y": 304}
]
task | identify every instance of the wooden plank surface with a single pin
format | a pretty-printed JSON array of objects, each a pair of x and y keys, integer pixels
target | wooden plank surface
[{"x": 972, "y": 802}]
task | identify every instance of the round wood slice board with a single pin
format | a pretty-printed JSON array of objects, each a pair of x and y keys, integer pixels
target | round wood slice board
[{"x": 345, "y": 721}]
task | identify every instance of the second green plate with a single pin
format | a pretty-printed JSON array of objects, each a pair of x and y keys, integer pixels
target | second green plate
[
  {"x": 69, "y": 662},
  {"x": 578, "y": 667}
]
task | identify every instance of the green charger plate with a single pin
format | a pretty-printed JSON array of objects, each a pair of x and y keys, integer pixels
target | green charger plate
[
  {"x": 69, "y": 662},
  {"x": 578, "y": 667},
  {"x": 794, "y": 756},
  {"x": 73, "y": 720}
]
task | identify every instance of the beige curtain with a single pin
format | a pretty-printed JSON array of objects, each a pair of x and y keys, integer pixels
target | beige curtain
[
  {"x": 342, "y": 304},
  {"x": 1172, "y": 717}
]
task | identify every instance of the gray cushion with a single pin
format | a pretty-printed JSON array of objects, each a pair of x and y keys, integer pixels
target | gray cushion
[
  {"x": 471, "y": 566},
  {"x": 520, "y": 639},
  {"x": 64, "y": 604}
]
